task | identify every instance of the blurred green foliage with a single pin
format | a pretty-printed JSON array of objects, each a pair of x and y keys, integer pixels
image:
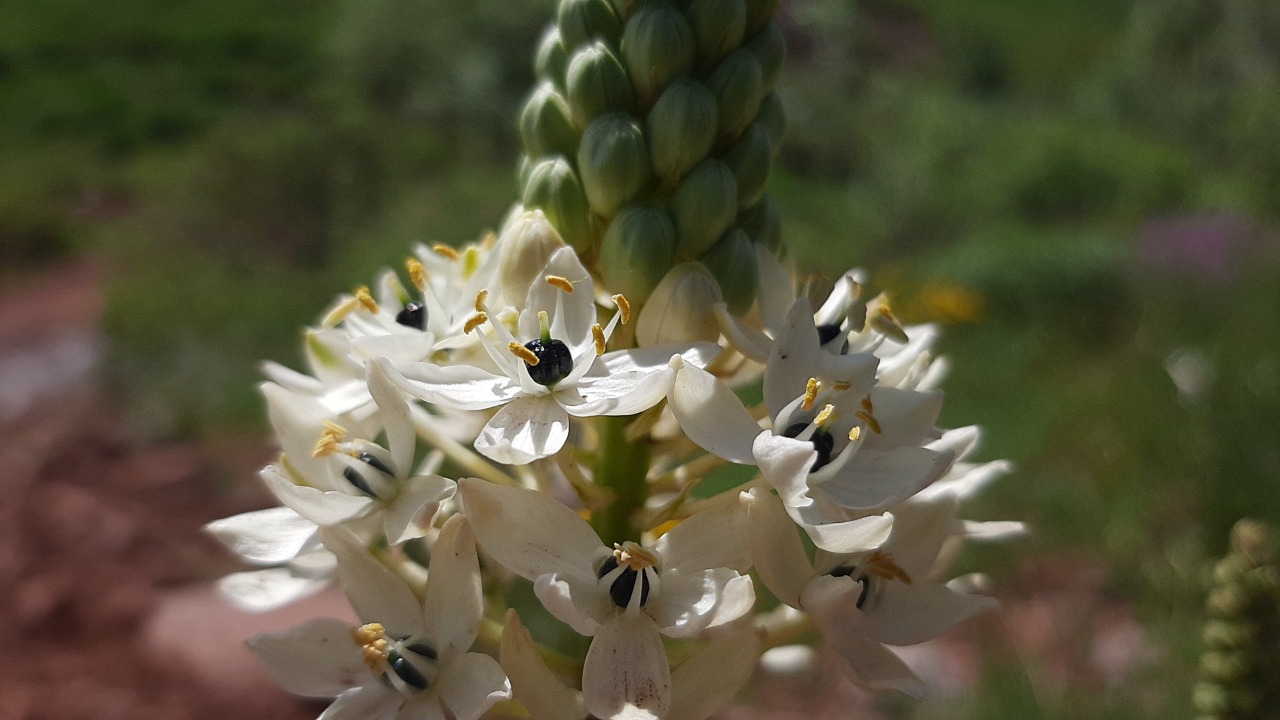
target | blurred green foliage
[{"x": 1093, "y": 182}]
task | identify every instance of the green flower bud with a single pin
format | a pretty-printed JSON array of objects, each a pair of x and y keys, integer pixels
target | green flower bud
[
  {"x": 759, "y": 13},
  {"x": 704, "y": 206},
  {"x": 551, "y": 60},
  {"x": 524, "y": 168},
  {"x": 545, "y": 128},
  {"x": 1223, "y": 667},
  {"x": 554, "y": 189},
  {"x": 614, "y": 161},
  {"x": 738, "y": 86},
  {"x": 657, "y": 46},
  {"x": 682, "y": 128},
  {"x": 638, "y": 250},
  {"x": 524, "y": 248},
  {"x": 772, "y": 118},
  {"x": 769, "y": 48},
  {"x": 597, "y": 83},
  {"x": 763, "y": 224},
  {"x": 1210, "y": 698},
  {"x": 718, "y": 27},
  {"x": 1220, "y": 633},
  {"x": 749, "y": 159},
  {"x": 581, "y": 21},
  {"x": 680, "y": 309},
  {"x": 732, "y": 262}
]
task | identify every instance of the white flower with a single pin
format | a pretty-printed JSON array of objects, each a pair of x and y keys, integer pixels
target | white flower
[
  {"x": 287, "y": 548},
  {"x": 683, "y": 585},
  {"x": 557, "y": 368},
  {"x": 409, "y": 659},
  {"x": 863, "y": 601}
]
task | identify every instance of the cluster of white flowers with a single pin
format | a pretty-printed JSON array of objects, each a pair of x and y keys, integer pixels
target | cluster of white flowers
[{"x": 507, "y": 365}]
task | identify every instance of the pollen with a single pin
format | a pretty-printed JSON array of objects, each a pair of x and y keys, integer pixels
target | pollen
[
  {"x": 561, "y": 283},
  {"x": 854, "y": 433},
  {"x": 523, "y": 353},
  {"x": 330, "y": 437},
  {"x": 369, "y": 634},
  {"x": 372, "y": 639},
  {"x": 633, "y": 557},
  {"x": 624, "y": 307},
  {"x": 474, "y": 322},
  {"x": 826, "y": 415},
  {"x": 597, "y": 332},
  {"x": 810, "y": 393},
  {"x": 444, "y": 250},
  {"x": 882, "y": 565},
  {"x": 482, "y": 297},
  {"x": 417, "y": 273}
]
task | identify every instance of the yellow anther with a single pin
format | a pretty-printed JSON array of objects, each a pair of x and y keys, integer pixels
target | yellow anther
[
  {"x": 335, "y": 428},
  {"x": 368, "y": 634},
  {"x": 364, "y": 298},
  {"x": 827, "y": 414},
  {"x": 841, "y": 385},
  {"x": 882, "y": 565},
  {"x": 340, "y": 313},
  {"x": 854, "y": 433},
  {"x": 866, "y": 415},
  {"x": 810, "y": 393},
  {"x": 417, "y": 273},
  {"x": 372, "y": 639},
  {"x": 445, "y": 251},
  {"x": 474, "y": 322},
  {"x": 624, "y": 307},
  {"x": 481, "y": 298},
  {"x": 888, "y": 325},
  {"x": 633, "y": 557},
  {"x": 329, "y": 439},
  {"x": 488, "y": 241},
  {"x": 866, "y": 404},
  {"x": 470, "y": 262},
  {"x": 523, "y": 353},
  {"x": 561, "y": 283},
  {"x": 597, "y": 332}
]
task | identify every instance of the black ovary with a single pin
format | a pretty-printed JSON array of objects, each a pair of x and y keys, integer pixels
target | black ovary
[
  {"x": 354, "y": 477},
  {"x": 554, "y": 361},
  {"x": 625, "y": 584},
  {"x": 852, "y": 571},
  {"x": 822, "y": 441},
  {"x": 412, "y": 316},
  {"x": 406, "y": 671}
]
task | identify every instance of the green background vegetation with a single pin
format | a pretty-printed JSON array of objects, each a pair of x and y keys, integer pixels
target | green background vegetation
[{"x": 1084, "y": 192}]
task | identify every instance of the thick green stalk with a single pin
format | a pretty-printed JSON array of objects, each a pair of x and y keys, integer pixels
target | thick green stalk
[{"x": 621, "y": 467}]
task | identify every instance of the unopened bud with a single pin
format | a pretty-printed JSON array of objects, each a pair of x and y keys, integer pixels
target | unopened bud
[
  {"x": 732, "y": 262},
  {"x": 545, "y": 127},
  {"x": 759, "y": 14},
  {"x": 551, "y": 60},
  {"x": 718, "y": 27},
  {"x": 680, "y": 309},
  {"x": 554, "y": 188},
  {"x": 704, "y": 206},
  {"x": 614, "y": 161},
  {"x": 581, "y": 21},
  {"x": 657, "y": 46},
  {"x": 682, "y": 128},
  {"x": 769, "y": 48},
  {"x": 749, "y": 159},
  {"x": 638, "y": 250},
  {"x": 523, "y": 250},
  {"x": 596, "y": 83},
  {"x": 738, "y": 86},
  {"x": 763, "y": 225},
  {"x": 1221, "y": 633},
  {"x": 772, "y": 118}
]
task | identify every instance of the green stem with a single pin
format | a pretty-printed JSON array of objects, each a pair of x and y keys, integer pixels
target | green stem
[{"x": 621, "y": 466}]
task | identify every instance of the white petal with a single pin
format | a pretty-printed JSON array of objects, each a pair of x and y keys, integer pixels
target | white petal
[
  {"x": 572, "y": 313},
  {"x": 422, "y": 706},
  {"x": 712, "y": 415},
  {"x": 372, "y": 702},
  {"x": 749, "y": 341},
  {"x": 317, "y": 658},
  {"x": 576, "y": 604},
  {"x": 322, "y": 507},
  {"x": 852, "y": 536},
  {"x": 529, "y": 533},
  {"x": 453, "y": 604},
  {"x": 269, "y": 588},
  {"x": 919, "y": 529},
  {"x": 784, "y": 462},
  {"x": 298, "y": 421},
  {"x": 833, "y": 603},
  {"x": 472, "y": 683},
  {"x": 779, "y": 557},
  {"x": 875, "y": 479},
  {"x": 524, "y": 430},
  {"x": 265, "y": 537},
  {"x": 409, "y": 515},
  {"x": 462, "y": 387},
  {"x": 376, "y": 593},
  {"x": 532, "y": 682},
  {"x": 707, "y": 681},
  {"x": 776, "y": 293},
  {"x": 910, "y": 614},
  {"x": 401, "y": 439},
  {"x": 793, "y": 359},
  {"x": 713, "y": 538},
  {"x": 291, "y": 379},
  {"x": 689, "y": 603},
  {"x": 906, "y": 417},
  {"x": 626, "y": 670}
]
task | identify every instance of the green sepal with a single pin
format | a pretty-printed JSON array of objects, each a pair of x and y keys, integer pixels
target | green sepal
[
  {"x": 769, "y": 48},
  {"x": 732, "y": 262},
  {"x": 545, "y": 127},
  {"x": 749, "y": 159},
  {"x": 597, "y": 83},
  {"x": 657, "y": 47},
  {"x": 555, "y": 189},
  {"x": 583, "y": 21},
  {"x": 681, "y": 127},
  {"x": 637, "y": 251},
  {"x": 704, "y": 207},
  {"x": 718, "y": 28},
  {"x": 738, "y": 86},
  {"x": 613, "y": 160}
]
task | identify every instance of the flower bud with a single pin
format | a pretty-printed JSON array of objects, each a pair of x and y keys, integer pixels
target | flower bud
[
  {"x": 614, "y": 161},
  {"x": 680, "y": 309},
  {"x": 732, "y": 262},
  {"x": 738, "y": 86},
  {"x": 718, "y": 27},
  {"x": 545, "y": 128},
  {"x": 772, "y": 118},
  {"x": 638, "y": 250},
  {"x": 657, "y": 46},
  {"x": 749, "y": 160},
  {"x": 596, "y": 83},
  {"x": 763, "y": 225},
  {"x": 581, "y": 21},
  {"x": 524, "y": 168},
  {"x": 704, "y": 206},
  {"x": 759, "y": 13},
  {"x": 551, "y": 60},
  {"x": 554, "y": 188},
  {"x": 524, "y": 248},
  {"x": 681, "y": 128},
  {"x": 769, "y": 48}
]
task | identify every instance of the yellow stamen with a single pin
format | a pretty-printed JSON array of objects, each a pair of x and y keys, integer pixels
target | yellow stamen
[
  {"x": 340, "y": 313},
  {"x": 329, "y": 439},
  {"x": 523, "y": 353},
  {"x": 489, "y": 239},
  {"x": 417, "y": 273},
  {"x": 854, "y": 433},
  {"x": 372, "y": 639},
  {"x": 364, "y": 298},
  {"x": 368, "y": 634},
  {"x": 624, "y": 306},
  {"x": 826, "y": 415},
  {"x": 882, "y": 565},
  {"x": 866, "y": 415},
  {"x": 474, "y": 322},
  {"x": 633, "y": 557},
  {"x": 888, "y": 325},
  {"x": 559, "y": 282},
  {"x": 445, "y": 250},
  {"x": 481, "y": 298},
  {"x": 810, "y": 393},
  {"x": 597, "y": 332}
]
